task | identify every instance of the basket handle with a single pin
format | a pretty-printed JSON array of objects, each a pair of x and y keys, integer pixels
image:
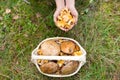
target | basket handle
[{"x": 76, "y": 58}]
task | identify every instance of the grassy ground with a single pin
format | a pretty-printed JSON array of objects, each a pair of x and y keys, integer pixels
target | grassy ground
[{"x": 23, "y": 26}]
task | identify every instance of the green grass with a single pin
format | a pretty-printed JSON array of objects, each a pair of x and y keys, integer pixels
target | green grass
[{"x": 98, "y": 31}]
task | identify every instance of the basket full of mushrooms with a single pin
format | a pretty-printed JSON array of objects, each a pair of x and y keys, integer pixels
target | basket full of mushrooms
[{"x": 59, "y": 57}]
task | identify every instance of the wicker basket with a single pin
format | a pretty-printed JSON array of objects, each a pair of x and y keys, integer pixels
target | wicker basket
[{"x": 81, "y": 59}]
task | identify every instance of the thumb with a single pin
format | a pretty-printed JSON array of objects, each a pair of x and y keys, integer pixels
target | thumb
[{"x": 75, "y": 14}]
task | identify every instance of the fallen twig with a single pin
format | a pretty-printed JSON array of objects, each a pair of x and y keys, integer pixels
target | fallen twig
[{"x": 26, "y": 1}]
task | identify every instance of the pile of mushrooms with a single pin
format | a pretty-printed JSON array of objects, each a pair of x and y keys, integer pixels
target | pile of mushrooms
[
  {"x": 65, "y": 19},
  {"x": 60, "y": 47}
]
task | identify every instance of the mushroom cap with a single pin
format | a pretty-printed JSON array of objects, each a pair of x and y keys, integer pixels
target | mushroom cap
[
  {"x": 49, "y": 67},
  {"x": 67, "y": 47},
  {"x": 50, "y": 48},
  {"x": 69, "y": 67}
]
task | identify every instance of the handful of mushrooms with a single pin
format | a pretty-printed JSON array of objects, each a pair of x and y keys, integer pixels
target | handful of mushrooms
[
  {"x": 60, "y": 47},
  {"x": 65, "y": 19}
]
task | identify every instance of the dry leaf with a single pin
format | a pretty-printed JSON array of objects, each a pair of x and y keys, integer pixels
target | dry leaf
[
  {"x": 26, "y": 35},
  {"x": 20, "y": 28},
  {"x": 38, "y": 15},
  {"x": 15, "y": 17},
  {"x": 7, "y": 11},
  {"x": 2, "y": 48},
  {"x": 116, "y": 76},
  {"x": 27, "y": 1},
  {"x": 1, "y": 18}
]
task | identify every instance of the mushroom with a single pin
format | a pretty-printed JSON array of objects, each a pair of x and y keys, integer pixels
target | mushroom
[
  {"x": 49, "y": 67},
  {"x": 77, "y": 53},
  {"x": 39, "y": 52},
  {"x": 69, "y": 67},
  {"x": 41, "y": 62},
  {"x": 50, "y": 48},
  {"x": 60, "y": 63},
  {"x": 77, "y": 48},
  {"x": 67, "y": 47}
]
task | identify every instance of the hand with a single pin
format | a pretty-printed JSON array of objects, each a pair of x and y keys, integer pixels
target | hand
[
  {"x": 60, "y": 4},
  {"x": 75, "y": 16},
  {"x": 70, "y": 4},
  {"x": 74, "y": 13},
  {"x": 56, "y": 14}
]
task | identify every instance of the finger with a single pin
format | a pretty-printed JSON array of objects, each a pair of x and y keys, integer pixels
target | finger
[
  {"x": 54, "y": 18},
  {"x": 75, "y": 15},
  {"x": 71, "y": 27},
  {"x": 56, "y": 14},
  {"x": 63, "y": 29},
  {"x": 75, "y": 18}
]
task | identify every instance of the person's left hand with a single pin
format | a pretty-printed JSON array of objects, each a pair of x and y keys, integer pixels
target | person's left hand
[{"x": 74, "y": 13}]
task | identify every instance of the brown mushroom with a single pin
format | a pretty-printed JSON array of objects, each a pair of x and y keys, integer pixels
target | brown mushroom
[
  {"x": 50, "y": 48},
  {"x": 77, "y": 48},
  {"x": 49, "y": 67},
  {"x": 67, "y": 47},
  {"x": 69, "y": 68}
]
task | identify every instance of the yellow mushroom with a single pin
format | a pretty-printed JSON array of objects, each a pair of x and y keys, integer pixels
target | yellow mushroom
[
  {"x": 60, "y": 62},
  {"x": 41, "y": 62},
  {"x": 45, "y": 61},
  {"x": 77, "y": 53},
  {"x": 60, "y": 40},
  {"x": 60, "y": 23},
  {"x": 39, "y": 52},
  {"x": 67, "y": 26},
  {"x": 62, "y": 54},
  {"x": 65, "y": 18},
  {"x": 59, "y": 18}
]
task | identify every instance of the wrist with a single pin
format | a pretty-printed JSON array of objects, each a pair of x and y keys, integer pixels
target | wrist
[
  {"x": 70, "y": 3},
  {"x": 70, "y": 6},
  {"x": 60, "y": 7},
  {"x": 60, "y": 4}
]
